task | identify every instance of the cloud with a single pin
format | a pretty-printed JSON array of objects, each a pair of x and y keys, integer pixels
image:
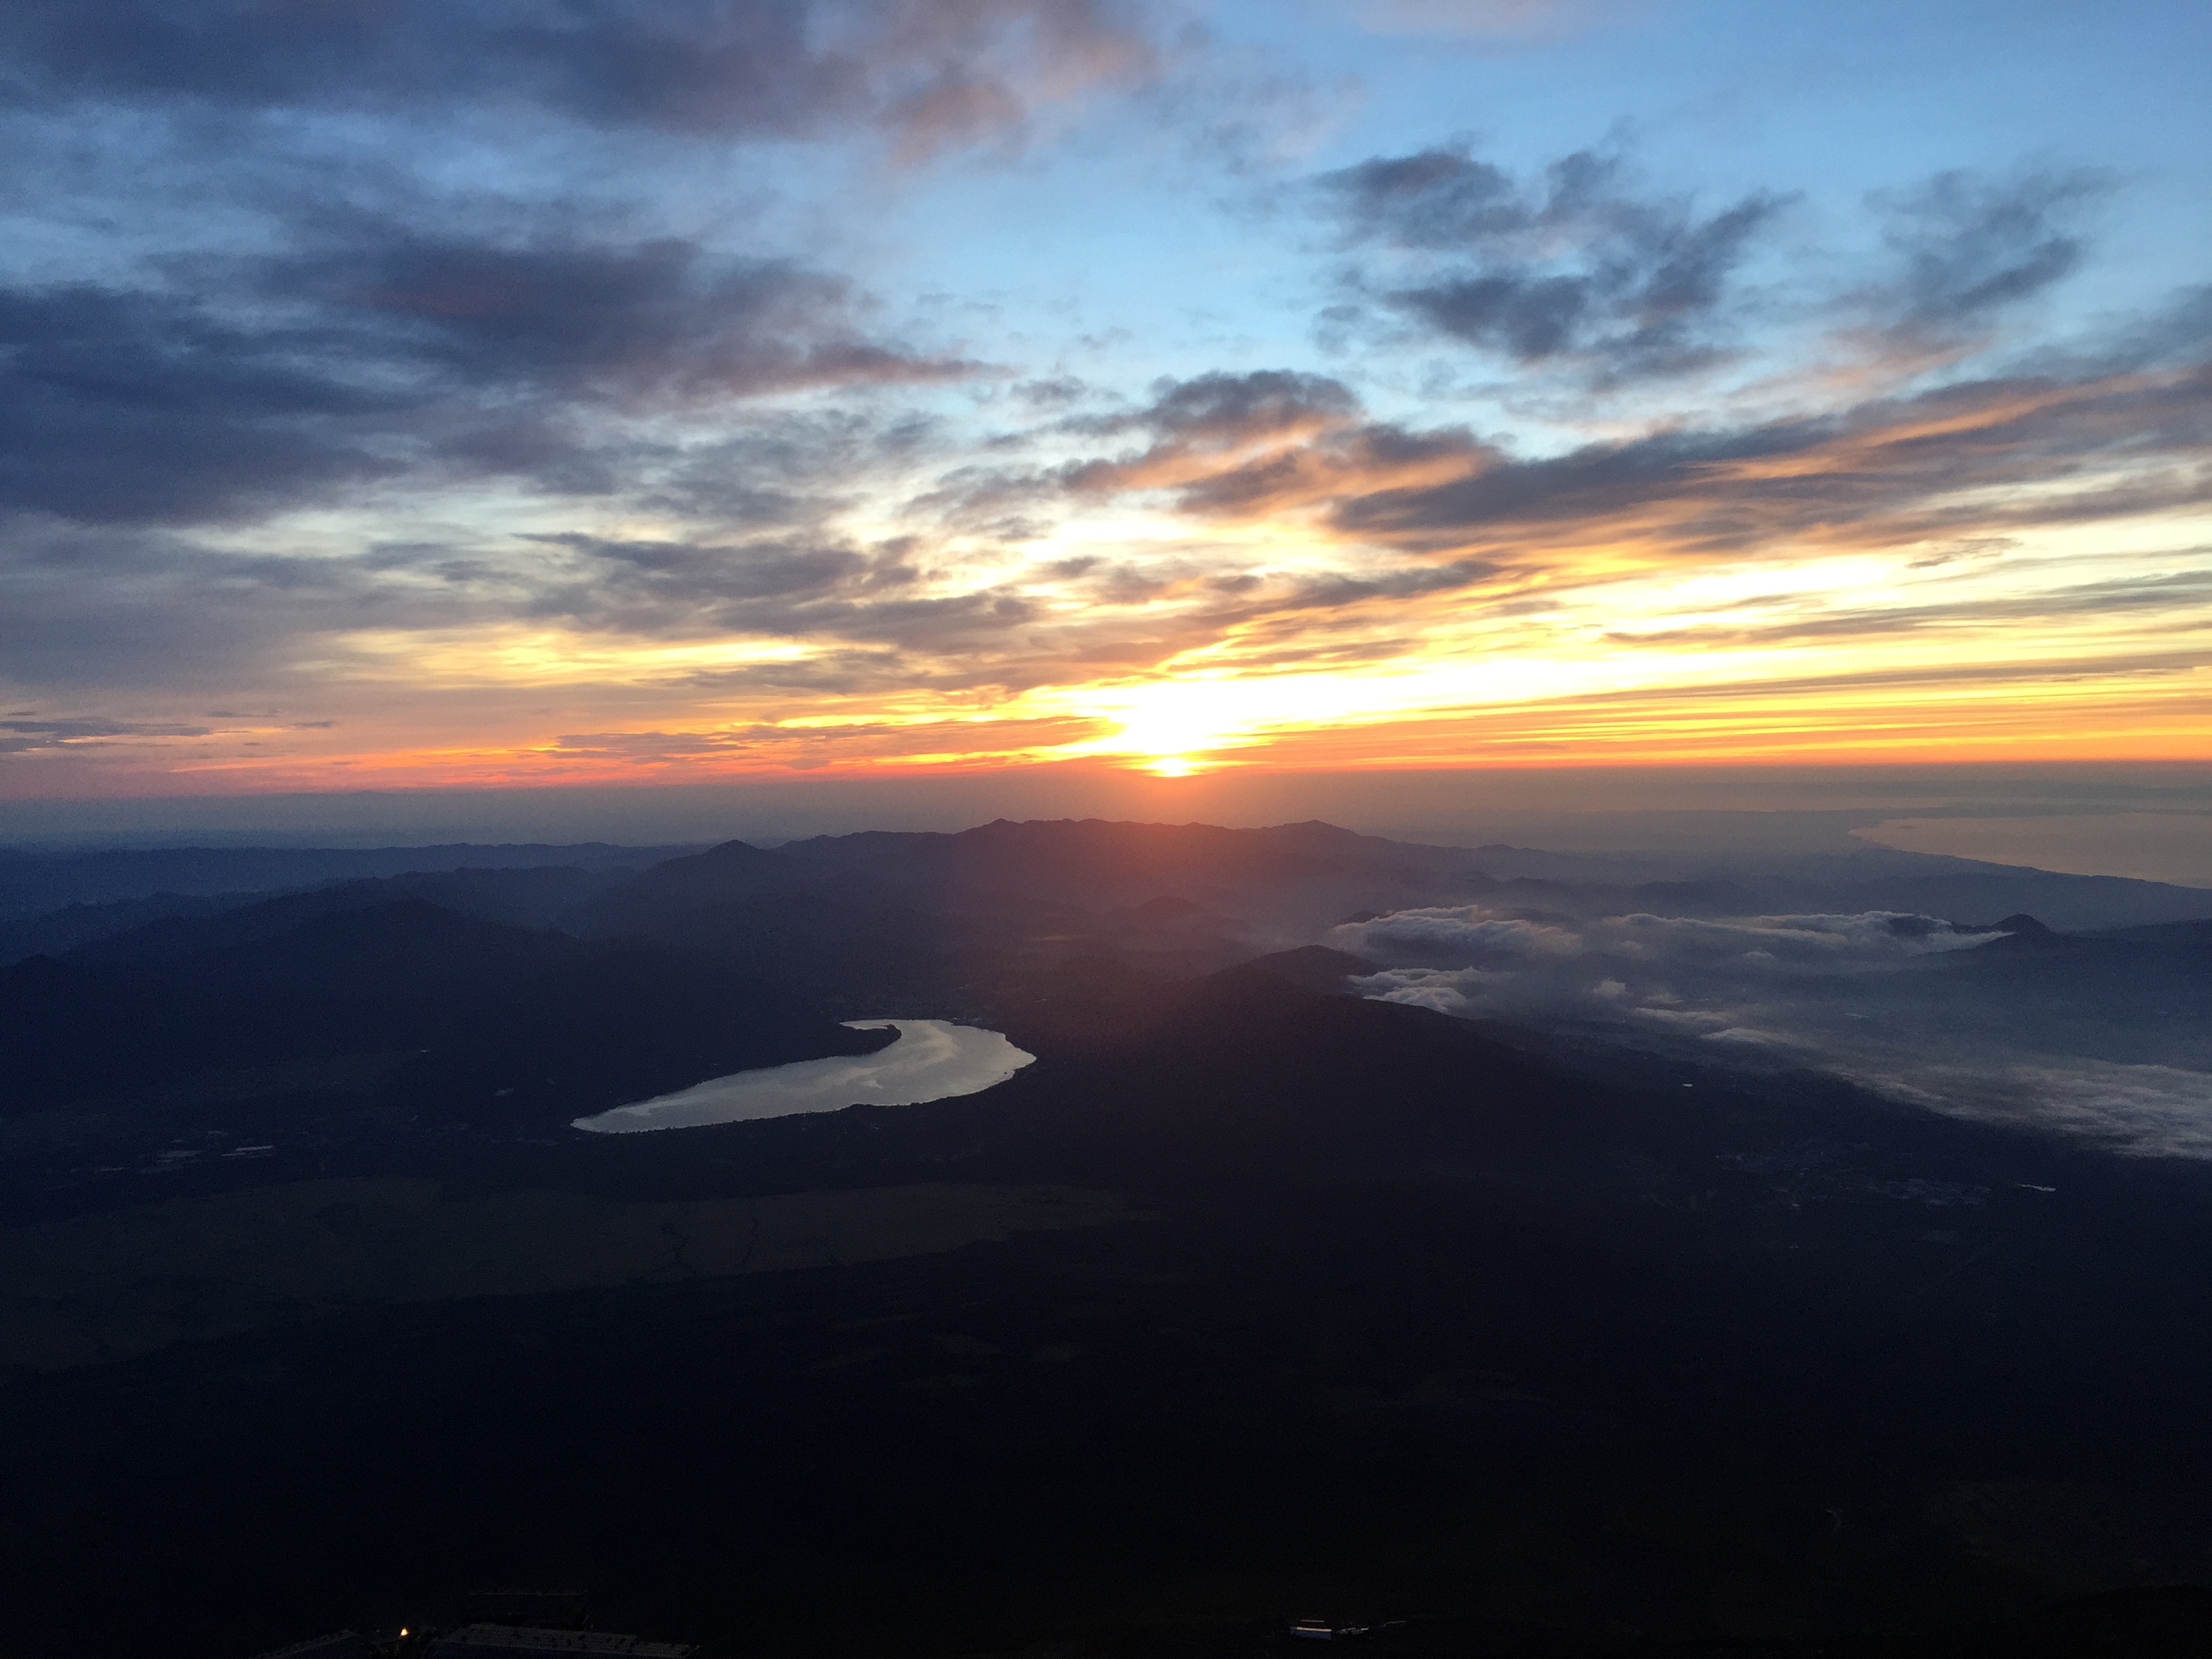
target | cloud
[
  {"x": 2154, "y": 1111},
  {"x": 22, "y": 737},
  {"x": 927, "y": 73},
  {"x": 649, "y": 589},
  {"x": 1889, "y": 472},
  {"x": 658, "y": 320},
  {"x": 364, "y": 343},
  {"x": 1229, "y": 410},
  {"x": 1968, "y": 247},
  {"x": 392, "y": 355},
  {"x": 1236, "y": 444},
  {"x": 2185, "y": 592},
  {"x": 1464, "y": 936},
  {"x": 123, "y": 407},
  {"x": 805, "y": 749},
  {"x": 1873, "y": 997},
  {"x": 127, "y": 611},
  {"x": 1476, "y": 936},
  {"x": 1578, "y": 270},
  {"x": 1357, "y": 520},
  {"x": 1396, "y": 529},
  {"x": 1570, "y": 267}
]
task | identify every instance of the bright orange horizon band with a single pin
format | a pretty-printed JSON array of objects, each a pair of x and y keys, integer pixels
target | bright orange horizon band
[{"x": 1803, "y": 729}]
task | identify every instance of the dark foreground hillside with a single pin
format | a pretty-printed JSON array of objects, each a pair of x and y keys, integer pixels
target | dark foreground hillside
[{"x": 1392, "y": 1320}]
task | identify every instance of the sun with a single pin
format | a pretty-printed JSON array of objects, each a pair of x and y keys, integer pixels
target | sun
[{"x": 1168, "y": 725}]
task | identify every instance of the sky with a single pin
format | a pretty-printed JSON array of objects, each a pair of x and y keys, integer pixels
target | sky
[{"x": 398, "y": 395}]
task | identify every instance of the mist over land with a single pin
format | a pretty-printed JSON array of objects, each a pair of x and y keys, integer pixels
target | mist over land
[{"x": 2103, "y": 1033}]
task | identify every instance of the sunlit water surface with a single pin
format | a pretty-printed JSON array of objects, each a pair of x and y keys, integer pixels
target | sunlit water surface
[{"x": 933, "y": 1060}]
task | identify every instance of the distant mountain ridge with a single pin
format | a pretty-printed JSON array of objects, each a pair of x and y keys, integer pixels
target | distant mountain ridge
[
  {"x": 737, "y": 955},
  {"x": 532, "y": 897},
  {"x": 459, "y": 1015},
  {"x": 32, "y": 884},
  {"x": 1088, "y": 862},
  {"x": 52, "y": 905},
  {"x": 1303, "y": 876},
  {"x": 1290, "y": 876}
]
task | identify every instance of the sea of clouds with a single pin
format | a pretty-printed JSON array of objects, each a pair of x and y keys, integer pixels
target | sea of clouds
[{"x": 1864, "y": 997}]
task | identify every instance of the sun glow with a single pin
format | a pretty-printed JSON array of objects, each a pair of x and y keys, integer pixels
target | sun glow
[
  {"x": 1175, "y": 726},
  {"x": 1862, "y": 649},
  {"x": 1170, "y": 724},
  {"x": 1146, "y": 660}
]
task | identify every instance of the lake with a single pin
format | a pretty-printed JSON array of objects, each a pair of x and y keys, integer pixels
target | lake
[{"x": 933, "y": 1060}]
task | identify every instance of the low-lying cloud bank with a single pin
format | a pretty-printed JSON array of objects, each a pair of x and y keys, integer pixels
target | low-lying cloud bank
[{"x": 1891, "y": 1000}]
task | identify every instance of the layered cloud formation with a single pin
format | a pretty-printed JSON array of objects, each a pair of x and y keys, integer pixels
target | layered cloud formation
[
  {"x": 1922, "y": 1009},
  {"x": 515, "y": 390},
  {"x": 1470, "y": 959},
  {"x": 925, "y": 71}
]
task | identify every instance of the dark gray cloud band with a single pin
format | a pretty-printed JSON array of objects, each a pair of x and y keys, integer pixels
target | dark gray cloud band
[
  {"x": 1573, "y": 265},
  {"x": 1968, "y": 247},
  {"x": 930, "y": 72},
  {"x": 279, "y": 382},
  {"x": 1579, "y": 266}
]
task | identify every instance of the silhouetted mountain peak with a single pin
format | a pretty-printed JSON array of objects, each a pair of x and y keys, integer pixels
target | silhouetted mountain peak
[
  {"x": 733, "y": 852},
  {"x": 1308, "y": 967},
  {"x": 32, "y": 885},
  {"x": 991, "y": 879},
  {"x": 669, "y": 898},
  {"x": 530, "y": 897},
  {"x": 2021, "y": 931}
]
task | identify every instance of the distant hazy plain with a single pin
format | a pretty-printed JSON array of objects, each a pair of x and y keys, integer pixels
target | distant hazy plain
[{"x": 933, "y": 1060}]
